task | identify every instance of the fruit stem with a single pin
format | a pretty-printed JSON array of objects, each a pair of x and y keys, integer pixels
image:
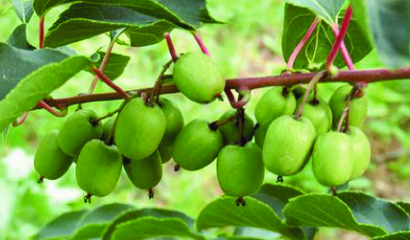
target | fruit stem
[
  {"x": 200, "y": 42},
  {"x": 171, "y": 47},
  {"x": 42, "y": 104},
  {"x": 21, "y": 120},
  {"x": 110, "y": 83},
  {"x": 217, "y": 124},
  {"x": 302, "y": 43},
  {"x": 339, "y": 39},
  {"x": 41, "y": 31},
  {"x": 103, "y": 64},
  {"x": 242, "y": 101},
  {"x": 156, "y": 90},
  {"x": 110, "y": 114},
  {"x": 241, "y": 120},
  {"x": 344, "y": 116},
  {"x": 313, "y": 82},
  {"x": 151, "y": 193}
]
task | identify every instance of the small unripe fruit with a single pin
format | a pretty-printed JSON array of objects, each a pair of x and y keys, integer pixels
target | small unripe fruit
[
  {"x": 174, "y": 120},
  {"x": 274, "y": 104},
  {"x": 240, "y": 170},
  {"x": 361, "y": 152},
  {"x": 288, "y": 144},
  {"x": 145, "y": 173},
  {"x": 198, "y": 78},
  {"x": 197, "y": 145},
  {"x": 260, "y": 134},
  {"x": 78, "y": 130},
  {"x": 332, "y": 159},
  {"x": 230, "y": 131},
  {"x": 50, "y": 162},
  {"x": 98, "y": 168},
  {"x": 108, "y": 128},
  {"x": 139, "y": 129},
  {"x": 319, "y": 113},
  {"x": 358, "y": 107},
  {"x": 165, "y": 152}
]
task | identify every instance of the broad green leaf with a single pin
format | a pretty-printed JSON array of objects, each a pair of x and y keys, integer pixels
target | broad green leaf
[
  {"x": 90, "y": 231},
  {"x": 238, "y": 238},
  {"x": 378, "y": 17},
  {"x": 151, "y": 227},
  {"x": 37, "y": 86},
  {"x": 277, "y": 196},
  {"x": 16, "y": 64},
  {"x": 186, "y": 14},
  {"x": 61, "y": 227},
  {"x": 224, "y": 212},
  {"x": 314, "y": 54},
  {"x": 247, "y": 232},
  {"x": 320, "y": 210},
  {"x": 136, "y": 214},
  {"x": 24, "y": 9},
  {"x": 115, "y": 66},
  {"x": 18, "y": 38},
  {"x": 328, "y": 10},
  {"x": 82, "y": 21},
  {"x": 375, "y": 211},
  {"x": 394, "y": 236},
  {"x": 405, "y": 206}
]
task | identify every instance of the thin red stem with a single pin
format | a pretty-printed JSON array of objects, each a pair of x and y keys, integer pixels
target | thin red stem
[
  {"x": 302, "y": 43},
  {"x": 42, "y": 20},
  {"x": 48, "y": 108},
  {"x": 339, "y": 38},
  {"x": 201, "y": 44},
  {"x": 20, "y": 120},
  {"x": 234, "y": 103},
  {"x": 343, "y": 49},
  {"x": 103, "y": 65},
  {"x": 110, "y": 83},
  {"x": 171, "y": 47},
  {"x": 361, "y": 77}
]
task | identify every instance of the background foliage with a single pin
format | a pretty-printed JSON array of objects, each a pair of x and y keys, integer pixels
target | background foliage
[{"x": 249, "y": 45}]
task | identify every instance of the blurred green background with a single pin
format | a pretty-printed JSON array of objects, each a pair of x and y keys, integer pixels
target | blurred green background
[{"x": 248, "y": 45}]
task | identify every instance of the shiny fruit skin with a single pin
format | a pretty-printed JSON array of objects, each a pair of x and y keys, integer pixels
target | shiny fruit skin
[
  {"x": 139, "y": 129},
  {"x": 240, "y": 169},
  {"x": 288, "y": 145},
  {"x": 230, "y": 131},
  {"x": 77, "y": 130},
  {"x": 108, "y": 127},
  {"x": 165, "y": 152},
  {"x": 98, "y": 168},
  {"x": 332, "y": 161},
  {"x": 319, "y": 113},
  {"x": 260, "y": 134},
  {"x": 197, "y": 145},
  {"x": 358, "y": 107},
  {"x": 50, "y": 162},
  {"x": 273, "y": 105},
  {"x": 145, "y": 173},
  {"x": 198, "y": 78},
  {"x": 361, "y": 151},
  {"x": 174, "y": 121}
]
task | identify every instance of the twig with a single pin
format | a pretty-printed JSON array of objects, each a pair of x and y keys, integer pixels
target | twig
[
  {"x": 41, "y": 31},
  {"x": 171, "y": 47},
  {"x": 20, "y": 120},
  {"x": 110, "y": 83},
  {"x": 343, "y": 49},
  {"x": 49, "y": 109},
  {"x": 201, "y": 44}
]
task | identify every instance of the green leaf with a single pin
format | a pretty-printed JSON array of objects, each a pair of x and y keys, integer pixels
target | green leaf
[
  {"x": 405, "y": 206},
  {"x": 186, "y": 14},
  {"x": 361, "y": 213},
  {"x": 136, "y": 214},
  {"x": 82, "y": 21},
  {"x": 16, "y": 64},
  {"x": 18, "y": 38},
  {"x": 378, "y": 17},
  {"x": 151, "y": 227},
  {"x": 314, "y": 54},
  {"x": 90, "y": 231},
  {"x": 63, "y": 226},
  {"x": 37, "y": 86},
  {"x": 328, "y": 10},
  {"x": 224, "y": 212},
  {"x": 277, "y": 196},
  {"x": 394, "y": 236},
  {"x": 24, "y": 9},
  {"x": 115, "y": 66}
]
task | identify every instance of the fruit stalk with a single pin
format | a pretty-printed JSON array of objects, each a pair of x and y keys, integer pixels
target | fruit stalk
[
  {"x": 110, "y": 83},
  {"x": 340, "y": 37},
  {"x": 201, "y": 44},
  {"x": 302, "y": 43},
  {"x": 171, "y": 47},
  {"x": 156, "y": 90},
  {"x": 352, "y": 77},
  {"x": 237, "y": 104},
  {"x": 102, "y": 66}
]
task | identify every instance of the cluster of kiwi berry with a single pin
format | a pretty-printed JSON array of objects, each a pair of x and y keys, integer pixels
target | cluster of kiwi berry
[{"x": 149, "y": 132}]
